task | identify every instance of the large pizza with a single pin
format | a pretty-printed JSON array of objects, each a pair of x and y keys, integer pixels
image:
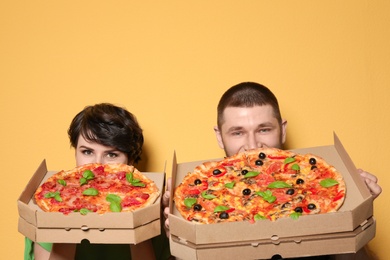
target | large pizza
[
  {"x": 265, "y": 183},
  {"x": 97, "y": 188}
]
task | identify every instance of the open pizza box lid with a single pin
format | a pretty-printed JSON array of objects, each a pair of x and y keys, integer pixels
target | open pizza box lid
[
  {"x": 126, "y": 227},
  {"x": 354, "y": 214}
]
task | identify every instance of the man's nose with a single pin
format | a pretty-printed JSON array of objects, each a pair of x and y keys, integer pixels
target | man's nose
[{"x": 252, "y": 142}]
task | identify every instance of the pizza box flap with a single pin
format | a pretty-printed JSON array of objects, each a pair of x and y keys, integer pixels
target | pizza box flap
[
  {"x": 325, "y": 244},
  {"x": 31, "y": 213},
  {"x": 357, "y": 208}
]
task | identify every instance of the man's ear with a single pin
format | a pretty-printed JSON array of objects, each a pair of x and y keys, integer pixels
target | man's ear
[
  {"x": 284, "y": 130},
  {"x": 219, "y": 137}
]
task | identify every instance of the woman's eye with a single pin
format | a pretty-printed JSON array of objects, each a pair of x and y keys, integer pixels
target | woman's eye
[
  {"x": 86, "y": 152},
  {"x": 112, "y": 155}
]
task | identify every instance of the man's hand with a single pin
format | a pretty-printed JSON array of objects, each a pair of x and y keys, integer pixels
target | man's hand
[
  {"x": 371, "y": 182},
  {"x": 165, "y": 202}
]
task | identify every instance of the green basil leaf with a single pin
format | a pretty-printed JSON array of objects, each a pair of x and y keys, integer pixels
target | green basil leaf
[
  {"x": 295, "y": 215},
  {"x": 295, "y": 167},
  {"x": 134, "y": 182},
  {"x": 189, "y": 202},
  {"x": 230, "y": 185},
  {"x": 50, "y": 194},
  {"x": 62, "y": 182},
  {"x": 91, "y": 192},
  {"x": 57, "y": 197},
  {"x": 259, "y": 217},
  {"x": 83, "y": 181},
  {"x": 266, "y": 195},
  {"x": 328, "y": 183},
  {"x": 88, "y": 174},
  {"x": 84, "y": 211},
  {"x": 251, "y": 174},
  {"x": 138, "y": 184},
  {"x": 115, "y": 207},
  {"x": 113, "y": 198},
  {"x": 221, "y": 208},
  {"x": 278, "y": 185},
  {"x": 289, "y": 160},
  {"x": 129, "y": 177},
  {"x": 207, "y": 196}
]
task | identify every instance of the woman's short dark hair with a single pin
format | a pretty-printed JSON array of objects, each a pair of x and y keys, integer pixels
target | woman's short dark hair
[
  {"x": 247, "y": 94},
  {"x": 108, "y": 125}
]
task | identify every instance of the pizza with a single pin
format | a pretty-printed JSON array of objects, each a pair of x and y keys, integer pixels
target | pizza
[
  {"x": 264, "y": 183},
  {"x": 97, "y": 188}
]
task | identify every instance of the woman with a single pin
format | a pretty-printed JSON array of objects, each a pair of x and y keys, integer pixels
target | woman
[{"x": 102, "y": 133}]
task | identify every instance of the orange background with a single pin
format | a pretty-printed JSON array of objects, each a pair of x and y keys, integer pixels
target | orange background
[{"x": 169, "y": 62}]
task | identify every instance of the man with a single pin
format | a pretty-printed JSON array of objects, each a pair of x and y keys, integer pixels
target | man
[{"x": 249, "y": 117}]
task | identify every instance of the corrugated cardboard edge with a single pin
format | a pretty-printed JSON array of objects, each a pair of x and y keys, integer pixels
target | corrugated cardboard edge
[
  {"x": 366, "y": 208},
  {"x": 348, "y": 242},
  {"x": 117, "y": 236},
  {"x": 23, "y": 208}
]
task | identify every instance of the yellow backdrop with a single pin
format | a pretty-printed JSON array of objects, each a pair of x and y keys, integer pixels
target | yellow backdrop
[{"x": 169, "y": 62}]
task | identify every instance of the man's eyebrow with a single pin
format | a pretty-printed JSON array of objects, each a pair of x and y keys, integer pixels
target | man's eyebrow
[
  {"x": 235, "y": 128},
  {"x": 267, "y": 124}
]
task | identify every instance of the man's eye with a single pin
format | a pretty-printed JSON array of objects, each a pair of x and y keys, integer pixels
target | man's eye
[
  {"x": 264, "y": 130},
  {"x": 237, "y": 133}
]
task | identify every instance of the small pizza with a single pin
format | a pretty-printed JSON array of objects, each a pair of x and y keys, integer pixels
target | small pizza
[
  {"x": 97, "y": 188},
  {"x": 264, "y": 183}
]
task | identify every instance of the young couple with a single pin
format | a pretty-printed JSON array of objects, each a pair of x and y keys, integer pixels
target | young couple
[{"x": 248, "y": 117}]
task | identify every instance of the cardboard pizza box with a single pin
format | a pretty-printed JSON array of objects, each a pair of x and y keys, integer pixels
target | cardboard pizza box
[
  {"x": 308, "y": 235},
  {"x": 110, "y": 228}
]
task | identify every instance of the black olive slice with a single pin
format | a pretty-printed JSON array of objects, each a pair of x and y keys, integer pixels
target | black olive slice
[
  {"x": 259, "y": 162},
  {"x": 246, "y": 192},
  {"x": 290, "y": 191},
  {"x": 298, "y": 210},
  {"x": 300, "y": 181},
  {"x": 197, "y": 207},
  {"x": 243, "y": 172},
  {"x": 197, "y": 182},
  {"x": 311, "y": 206},
  {"x": 312, "y": 161},
  {"x": 216, "y": 171},
  {"x": 224, "y": 215},
  {"x": 262, "y": 156}
]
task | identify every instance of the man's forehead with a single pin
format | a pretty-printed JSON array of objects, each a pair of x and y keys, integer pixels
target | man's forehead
[{"x": 241, "y": 116}]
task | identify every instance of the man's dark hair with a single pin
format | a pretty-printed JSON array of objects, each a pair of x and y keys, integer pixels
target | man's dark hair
[{"x": 247, "y": 94}]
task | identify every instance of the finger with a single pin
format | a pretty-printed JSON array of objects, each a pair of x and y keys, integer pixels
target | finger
[
  {"x": 369, "y": 176},
  {"x": 374, "y": 188},
  {"x": 167, "y": 193},
  {"x": 166, "y": 212},
  {"x": 165, "y": 200},
  {"x": 166, "y": 227}
]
